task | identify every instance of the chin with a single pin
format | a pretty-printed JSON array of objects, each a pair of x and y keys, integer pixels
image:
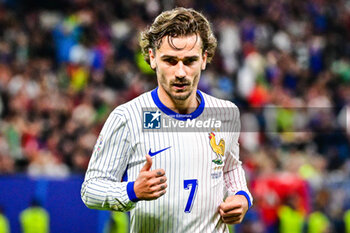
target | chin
[{"x": 181, "y": 95}]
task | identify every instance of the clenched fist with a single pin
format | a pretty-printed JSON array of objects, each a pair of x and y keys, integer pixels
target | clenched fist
[{"x": 233, "y": 209}]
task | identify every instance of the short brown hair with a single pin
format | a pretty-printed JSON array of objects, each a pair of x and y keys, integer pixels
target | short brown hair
[{"x": 178, "y": 22}]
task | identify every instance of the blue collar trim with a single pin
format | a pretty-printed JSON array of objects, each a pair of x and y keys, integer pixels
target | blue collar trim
[{"x": 178, "y": 116}]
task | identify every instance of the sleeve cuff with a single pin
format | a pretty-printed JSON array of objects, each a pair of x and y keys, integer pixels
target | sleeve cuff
[
  {"x": 131, "y": 192},
  {"x": 246, "y": 196}
]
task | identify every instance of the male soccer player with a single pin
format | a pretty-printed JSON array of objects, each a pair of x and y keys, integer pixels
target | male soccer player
[{"x": 145, "y": 162}]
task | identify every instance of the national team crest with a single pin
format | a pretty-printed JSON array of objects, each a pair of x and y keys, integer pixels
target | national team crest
[{"x": 219, "y": 149}]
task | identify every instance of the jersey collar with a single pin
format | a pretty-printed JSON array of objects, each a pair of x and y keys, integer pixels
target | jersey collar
[{"x": 178, "y": 116}]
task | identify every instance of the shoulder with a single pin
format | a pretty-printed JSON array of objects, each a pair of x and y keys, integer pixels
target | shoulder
[
  {"x": 224, "y": 111},
  {"x": 134, "y": 107},
  {"x": 220, "y": 105},
  {"x": 126, "y": 116}
]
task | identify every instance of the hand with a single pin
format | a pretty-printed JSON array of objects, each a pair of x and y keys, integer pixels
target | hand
[
  {"x": 150, "y": 185},
  {"x": 234, "y": 208}
]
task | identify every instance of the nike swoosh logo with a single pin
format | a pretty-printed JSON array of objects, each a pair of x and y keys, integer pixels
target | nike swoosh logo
[{"x": 157, "y": 152}]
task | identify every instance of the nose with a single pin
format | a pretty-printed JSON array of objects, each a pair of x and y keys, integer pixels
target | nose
[{"x": 180, "y": 70}]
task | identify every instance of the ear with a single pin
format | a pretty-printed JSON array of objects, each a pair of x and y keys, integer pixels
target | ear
[
  {"x": 204, "y": 60},
  {"x": 152, "y": 58}
]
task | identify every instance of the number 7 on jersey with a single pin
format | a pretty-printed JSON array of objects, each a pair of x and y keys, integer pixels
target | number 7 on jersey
[{"x": 193, "y": 184}]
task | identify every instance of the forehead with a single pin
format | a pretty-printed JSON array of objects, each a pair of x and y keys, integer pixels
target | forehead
[{"x": 181, "y": 46}]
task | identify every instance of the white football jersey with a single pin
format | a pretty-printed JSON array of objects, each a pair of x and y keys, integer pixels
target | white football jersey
[{"x": 199, "y": 153}]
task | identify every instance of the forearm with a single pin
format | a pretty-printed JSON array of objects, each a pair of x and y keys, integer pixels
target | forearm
[
  {"x": 102, "y": 188},
  {"x": 103, "y": 194},
  {"x": 236, "y": 183}
]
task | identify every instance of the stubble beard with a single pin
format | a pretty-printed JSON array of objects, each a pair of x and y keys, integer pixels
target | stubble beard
[
  {"x": 179, "y": 95},
  {"x": 182, "y": 96}
]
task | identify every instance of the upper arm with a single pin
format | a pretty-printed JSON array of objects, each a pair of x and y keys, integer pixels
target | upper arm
[
  {"x": 232, "y": 151},
  {"x": 112, "y": 149}
]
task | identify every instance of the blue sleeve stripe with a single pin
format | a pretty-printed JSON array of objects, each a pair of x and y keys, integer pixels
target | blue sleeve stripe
[
  {"x": 131, "y": 192},
  {"x": 246, "y": 196}
]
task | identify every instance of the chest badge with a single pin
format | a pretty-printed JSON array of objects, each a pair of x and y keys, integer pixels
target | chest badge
[{"x": 219, "y": 149}]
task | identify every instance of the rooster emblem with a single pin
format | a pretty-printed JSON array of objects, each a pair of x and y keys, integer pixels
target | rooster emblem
[{"x": 219, "y": 149}]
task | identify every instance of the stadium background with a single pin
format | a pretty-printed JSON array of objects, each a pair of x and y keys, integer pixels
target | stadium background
[{"x": 64, "y": 65}]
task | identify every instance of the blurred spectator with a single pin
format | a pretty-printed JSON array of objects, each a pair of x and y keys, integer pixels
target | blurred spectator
[
  {"x": 35, "y": 219},
  {"x": 347, "y": 221},
  {"x": 4, "y": 223},
  {"x": 291, "y": 219},
  {"x": 65, "y": 65},
  {"x": 119, "y": 222},
  {"x": 318, "y": 222}
]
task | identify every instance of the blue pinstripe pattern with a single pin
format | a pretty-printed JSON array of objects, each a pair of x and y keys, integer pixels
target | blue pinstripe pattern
[{"x": 123, "y": 149}]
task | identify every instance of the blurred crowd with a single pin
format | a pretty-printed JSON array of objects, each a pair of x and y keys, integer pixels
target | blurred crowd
[{"x": 65, "y": 65}]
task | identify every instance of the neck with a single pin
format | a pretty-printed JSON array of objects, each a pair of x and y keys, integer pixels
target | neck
[{"x": 186, "y": 106}]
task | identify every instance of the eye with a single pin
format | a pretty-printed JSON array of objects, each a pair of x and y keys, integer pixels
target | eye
[
  {"x": 189, "y": 61},
  {"x": 171, "y": 61}
]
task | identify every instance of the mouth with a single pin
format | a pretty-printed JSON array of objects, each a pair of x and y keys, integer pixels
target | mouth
[{"x": 180, "y": 86}]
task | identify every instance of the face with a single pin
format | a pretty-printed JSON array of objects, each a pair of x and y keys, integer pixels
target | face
[{"x": 178, "y": 66}]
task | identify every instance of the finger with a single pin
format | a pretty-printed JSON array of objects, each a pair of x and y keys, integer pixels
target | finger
[
  {"x": 158, "y": 188},
  {"x": 230, "y": 219},
  {"x": 230, "y": 206},
  {"x": 162, "y": 180},
  {"x": 221, "y": 212},
  {"x": 235, "y": 220},
  {"x": 156, "y": 195},
  {"x": 159, "y": 194},
  {"x": 159, "y": 172},
  {"x": 232, "y": 215},
  {"x": 159, "y": 180},
  {"x": 233, "y": 212},
  {"x": 148, "y": 164}
]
